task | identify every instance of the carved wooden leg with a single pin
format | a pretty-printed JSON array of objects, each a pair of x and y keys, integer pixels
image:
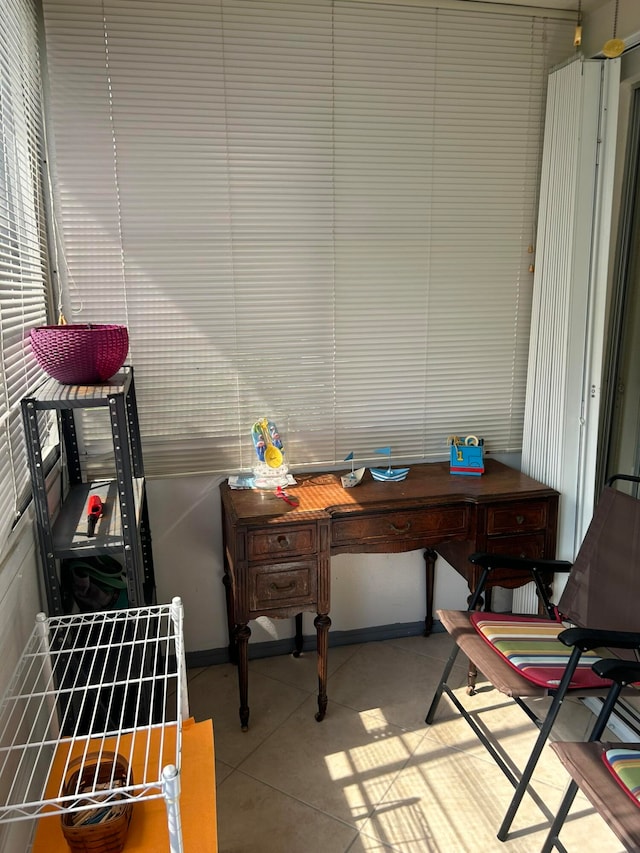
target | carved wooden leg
[
  {"x": 430, "y": 563},
  {"x": 242, "y": 634},
  {"x": 322, "y": 623},
  {"x": 472, "y": 678},
  {"x": 231, "y": 619},
  {"x": 299, "y": 639}
]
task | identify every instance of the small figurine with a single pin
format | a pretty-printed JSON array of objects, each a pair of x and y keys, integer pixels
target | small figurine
[
  {"x": 270, "y": 470},
  {"x": 267, "y": 443},
  {"x": 275, "y": 435}
]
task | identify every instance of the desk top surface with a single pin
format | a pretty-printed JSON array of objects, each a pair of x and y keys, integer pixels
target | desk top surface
[{"x": 427, "y": 484}]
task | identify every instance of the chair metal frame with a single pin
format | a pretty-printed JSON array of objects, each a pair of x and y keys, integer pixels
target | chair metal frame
[
  {"x": 622, "y": 674},
  {"x": 504, "y": 678}
]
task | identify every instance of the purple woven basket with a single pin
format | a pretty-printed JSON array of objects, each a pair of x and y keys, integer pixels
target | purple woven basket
[{"x": 78, "y": 353}]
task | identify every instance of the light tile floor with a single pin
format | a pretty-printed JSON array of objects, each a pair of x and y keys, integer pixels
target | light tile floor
[{"x": 372, "y": 776}]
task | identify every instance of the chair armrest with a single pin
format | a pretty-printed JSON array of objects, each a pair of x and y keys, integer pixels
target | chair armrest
[
  {"x": 536, "y": 568},
  {"x": 592, "y": 638},
  {"x": 630, "y": 478},
  {"x": 530, "y": 564},
  {"x": 623, "y": 671}
]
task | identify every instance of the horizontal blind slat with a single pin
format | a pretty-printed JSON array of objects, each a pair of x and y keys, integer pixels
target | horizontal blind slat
[{"x": 314, "y": 211}]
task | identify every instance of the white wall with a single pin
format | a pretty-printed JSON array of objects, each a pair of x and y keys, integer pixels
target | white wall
[
  {"x": 598, "y": 24},
  {"x": 19, "y": 599}
]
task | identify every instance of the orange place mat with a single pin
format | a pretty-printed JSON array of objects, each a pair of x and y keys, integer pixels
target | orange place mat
[{"x": 148, "y": 829}]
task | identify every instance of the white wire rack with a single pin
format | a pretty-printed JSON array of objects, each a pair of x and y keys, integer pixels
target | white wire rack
[{"x": 97, "y": 683}]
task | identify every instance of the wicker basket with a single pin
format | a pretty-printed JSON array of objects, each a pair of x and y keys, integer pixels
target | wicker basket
[
  {"x": 89, "y": 773},
  {"x": 80, "y": 354}
]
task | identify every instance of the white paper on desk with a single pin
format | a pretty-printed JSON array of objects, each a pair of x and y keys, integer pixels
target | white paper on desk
[
  {"x": 247, "y": 481},
  {"x": 241, "y": 481}
]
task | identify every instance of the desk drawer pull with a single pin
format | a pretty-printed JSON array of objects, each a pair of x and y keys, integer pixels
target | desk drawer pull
[
  {"x": 520, "y": 519},
  {"x": 283, "y": 541},
  {"x": 285, "y": 587},
  {"x": 404, "y": 529}
]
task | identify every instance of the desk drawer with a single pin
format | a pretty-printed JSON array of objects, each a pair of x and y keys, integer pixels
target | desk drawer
[
  {"x": 531, "y": 545},
  {"x": 528, "y": 545},
  {"x": 420, "y": 525},
  {"x": 517, "y": 517},
  {"x": 281, "y": 542},
  {"x": 287, "y": 584}
]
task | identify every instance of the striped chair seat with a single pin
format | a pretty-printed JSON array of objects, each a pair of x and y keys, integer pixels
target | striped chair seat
[
  {"x": 624, "y": 766},
  {"x": 531, "y": 647}
]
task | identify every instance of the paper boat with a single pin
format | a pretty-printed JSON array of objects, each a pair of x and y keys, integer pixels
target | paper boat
[
  {"x": 393, "y": 475},
  {"x": 388, "y": 475},
  {"x": 352, "y": 478}
]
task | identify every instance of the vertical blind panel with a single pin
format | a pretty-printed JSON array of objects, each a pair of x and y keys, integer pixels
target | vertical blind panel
[
  {"x": 168, "y": 108},
  {"x": 314, "y": 211},
  {"x": 83, "y": 178},
  {"x": 561, "y": 294},
  {"x": 148, "y": 92},
  {"x": 278, "y": 87},
  {"x": 23, "y": 266},
  {"x": 561, "y": 418},
  {"x": 7, "y": 499},
  {"x": 484, "y": 203},
  {"x": 385, "y": 76}
]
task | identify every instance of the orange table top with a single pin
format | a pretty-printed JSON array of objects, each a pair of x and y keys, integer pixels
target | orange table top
[{"x": 148, "y": 829}]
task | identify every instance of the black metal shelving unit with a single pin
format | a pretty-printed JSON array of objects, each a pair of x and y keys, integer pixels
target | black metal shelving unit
[{"x": 123, "y": 529}]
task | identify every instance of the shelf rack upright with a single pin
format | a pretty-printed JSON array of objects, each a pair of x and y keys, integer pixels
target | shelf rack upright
[{"x": 123, "y": 531}]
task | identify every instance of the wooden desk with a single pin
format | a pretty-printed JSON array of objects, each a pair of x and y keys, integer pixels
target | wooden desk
[{"x": 277, "y": 557}]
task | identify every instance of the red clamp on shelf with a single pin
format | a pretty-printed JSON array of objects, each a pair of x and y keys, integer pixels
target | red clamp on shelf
[{"x": 94, "y": 512}]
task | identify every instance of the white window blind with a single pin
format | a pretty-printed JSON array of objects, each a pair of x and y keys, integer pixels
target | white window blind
[
  {"x": 316, "y": 211},
  {"x": 23, "y": 265}
]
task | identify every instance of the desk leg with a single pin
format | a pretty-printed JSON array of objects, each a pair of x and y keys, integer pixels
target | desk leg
[
  {"x": 472, "y": 677},
  {"x": 322, "y": 623},
  {"x": 242, "y": 634},
  {"x": 299, "y": 639},
  {"x": 430, "y": 564},
  {"x": 231, "y": 618}
]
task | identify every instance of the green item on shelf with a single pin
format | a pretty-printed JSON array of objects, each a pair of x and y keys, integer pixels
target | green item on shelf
[{"x": 94, "y": 583}]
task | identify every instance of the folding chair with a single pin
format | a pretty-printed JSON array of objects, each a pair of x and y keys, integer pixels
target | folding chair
[
  {"x": 607, "y": 773},
  {"x": 528, "y": 657}
]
